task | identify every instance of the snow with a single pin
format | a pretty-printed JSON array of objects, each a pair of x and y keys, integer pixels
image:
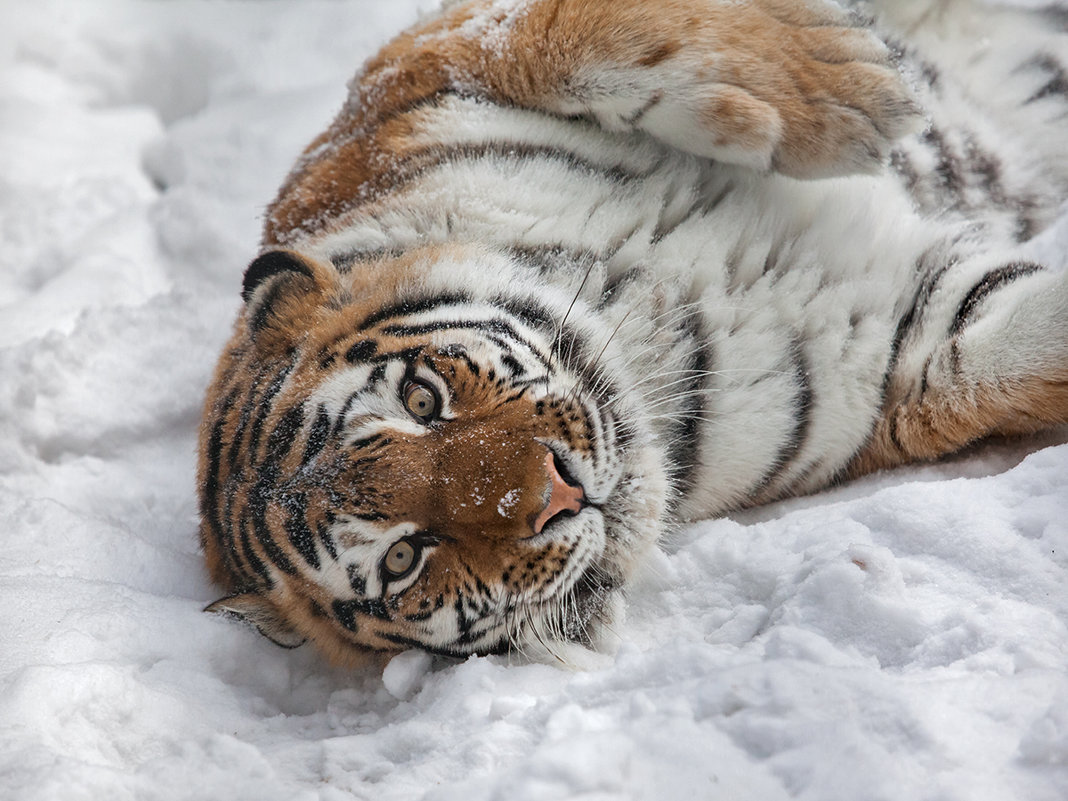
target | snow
[{"x": 902, "y": 637}]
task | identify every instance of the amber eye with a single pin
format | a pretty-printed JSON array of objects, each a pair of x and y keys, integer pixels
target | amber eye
[
  {"x": 421, "y": 401},
  {"x": 400, "y": 559}
]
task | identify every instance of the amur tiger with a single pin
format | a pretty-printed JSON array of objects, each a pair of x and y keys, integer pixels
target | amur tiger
[{"x": 564, "y": 273}]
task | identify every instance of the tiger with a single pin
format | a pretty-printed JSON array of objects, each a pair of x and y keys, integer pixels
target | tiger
[{"x": 565, "y": 275}]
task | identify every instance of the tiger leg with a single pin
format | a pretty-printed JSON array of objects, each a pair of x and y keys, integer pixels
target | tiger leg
[
  {"x": 998, "y": 364},
  {"x": 785, "y": 85}
]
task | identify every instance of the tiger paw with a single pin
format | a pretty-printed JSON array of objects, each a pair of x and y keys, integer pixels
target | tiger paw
[{"x": 792, "y": 86}]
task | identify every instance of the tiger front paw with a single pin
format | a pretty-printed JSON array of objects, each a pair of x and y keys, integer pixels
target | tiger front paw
[
  {"x": 794, "y": 86},
  {"x": 834, "y": 85}
]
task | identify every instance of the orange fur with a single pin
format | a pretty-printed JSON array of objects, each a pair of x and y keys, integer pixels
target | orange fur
[{"x": 941, "y": 422}]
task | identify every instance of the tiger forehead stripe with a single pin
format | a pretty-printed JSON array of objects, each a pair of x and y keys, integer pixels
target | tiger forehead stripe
[
  {"x": 361, "y": 351},
  {"x": 409, "y": 307},
  {"x": 493, "y": 325}
]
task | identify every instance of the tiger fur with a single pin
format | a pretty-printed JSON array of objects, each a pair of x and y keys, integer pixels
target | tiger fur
[{"x": 563, "y": 273}]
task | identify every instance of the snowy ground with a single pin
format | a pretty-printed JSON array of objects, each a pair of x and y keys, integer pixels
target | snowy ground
[{"x": 901, "y": 638}]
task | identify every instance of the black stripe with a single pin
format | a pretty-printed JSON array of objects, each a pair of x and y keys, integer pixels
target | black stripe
[
  {"x": 551, "y": 259},
  {"x": 948, "y": 168},
  {"x": 317, "y": 436},
  {"x": 709, "y": 198},
  {"x": 417, "y": 162},
  {"x": 1057, "y": 83},
  {"x": 209, "y": 493},
  {"x": 614, "y": 282},
  {"x": 463, "y": 622},
  {"x": 458, "y": 352},
  {"x": 411, "y": 306},
  {"x": 480, "y": 586},
  {"x": 253, "y": 559},
  {"x": 795, "y": 441},
  {"x": 570, "y": 349},
  {"x": 284, "y": 434},
  {"x": 415, "y": 103},
  {"x": 891, "y": 431},
  {"x": 713, "y": 201},
  {"x": 279, "y": 443},
  {"x": 328, "y": 541},
  {"x": 258, "y": 503},
  {"x": 265, "y": 409},
  {"x": 489, "y": 327},
  {"x": 912, "y": 317},
  {"x": 378, "y": 373},
  {"x": 684, "y": 448},
  {"x": 356, "y": 580},
  {"x": 361, "y": 351},
  {"x": 804, "y": 402},
  {"x": 340, "y": 422},
  {"x": 530, "y": 312},
  {"x": 236, "y": 451},
  {"x": 513, "y": 366},
  {"x": 1028, "y": 223},
  {"x": 239, "y": 565},
  {"x": 346, "y": 611},
  {"x": 370, "y": 517},
  {"x": 364, "y": 442},
  {"x": 501, "y": 647},
  {"x": 992, "y": 281},
  {"x": 296, "y": 525},
  {"x": 987, "y": 169},
  {"x": 346, "y": 615},
  {"x": 1056, "y": 17},
  {"x": 654, "y": 99}
]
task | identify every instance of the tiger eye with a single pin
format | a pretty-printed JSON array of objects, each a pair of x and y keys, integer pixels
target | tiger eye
[
  {"x": 400, "y": 558},
  {"x": 421, "y": 401}
]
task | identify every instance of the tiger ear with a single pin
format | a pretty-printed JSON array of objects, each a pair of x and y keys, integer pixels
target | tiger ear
[
  {"x": 280, "y": 287},
  {"x": 257, "y": 611}
]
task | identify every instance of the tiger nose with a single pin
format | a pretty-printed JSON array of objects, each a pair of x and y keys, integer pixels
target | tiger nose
[{"x": 563, "y": 497}]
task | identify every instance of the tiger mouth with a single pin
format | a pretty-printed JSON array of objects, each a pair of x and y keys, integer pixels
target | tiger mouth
[{"x": 566, "y": 616}]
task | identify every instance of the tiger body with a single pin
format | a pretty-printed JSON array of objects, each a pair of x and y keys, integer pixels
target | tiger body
[{"x": 638, "y": 263}]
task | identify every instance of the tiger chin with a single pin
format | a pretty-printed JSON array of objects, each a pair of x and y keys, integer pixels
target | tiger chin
[{"x": 564, "y": 273}]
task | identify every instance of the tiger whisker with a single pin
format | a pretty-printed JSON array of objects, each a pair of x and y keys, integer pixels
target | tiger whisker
[
  {"x": 574, "y": 300},
  {"x": 595, "y": 364}
]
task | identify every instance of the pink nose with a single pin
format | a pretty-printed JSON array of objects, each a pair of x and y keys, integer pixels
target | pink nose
[{"x": 563, "y": 496}]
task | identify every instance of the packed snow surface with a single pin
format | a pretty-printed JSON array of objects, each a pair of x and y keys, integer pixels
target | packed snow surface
[{"x": 903, "y": 637}]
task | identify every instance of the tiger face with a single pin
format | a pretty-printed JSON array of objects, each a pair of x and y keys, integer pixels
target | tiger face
[{"x": 428, "y": 470}]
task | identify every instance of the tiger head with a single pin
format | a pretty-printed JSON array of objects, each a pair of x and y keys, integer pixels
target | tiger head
[{"x": 435, "y": 450}]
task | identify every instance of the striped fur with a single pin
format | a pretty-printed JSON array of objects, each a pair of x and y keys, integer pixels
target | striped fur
[{"x": 644, "y": 262}]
